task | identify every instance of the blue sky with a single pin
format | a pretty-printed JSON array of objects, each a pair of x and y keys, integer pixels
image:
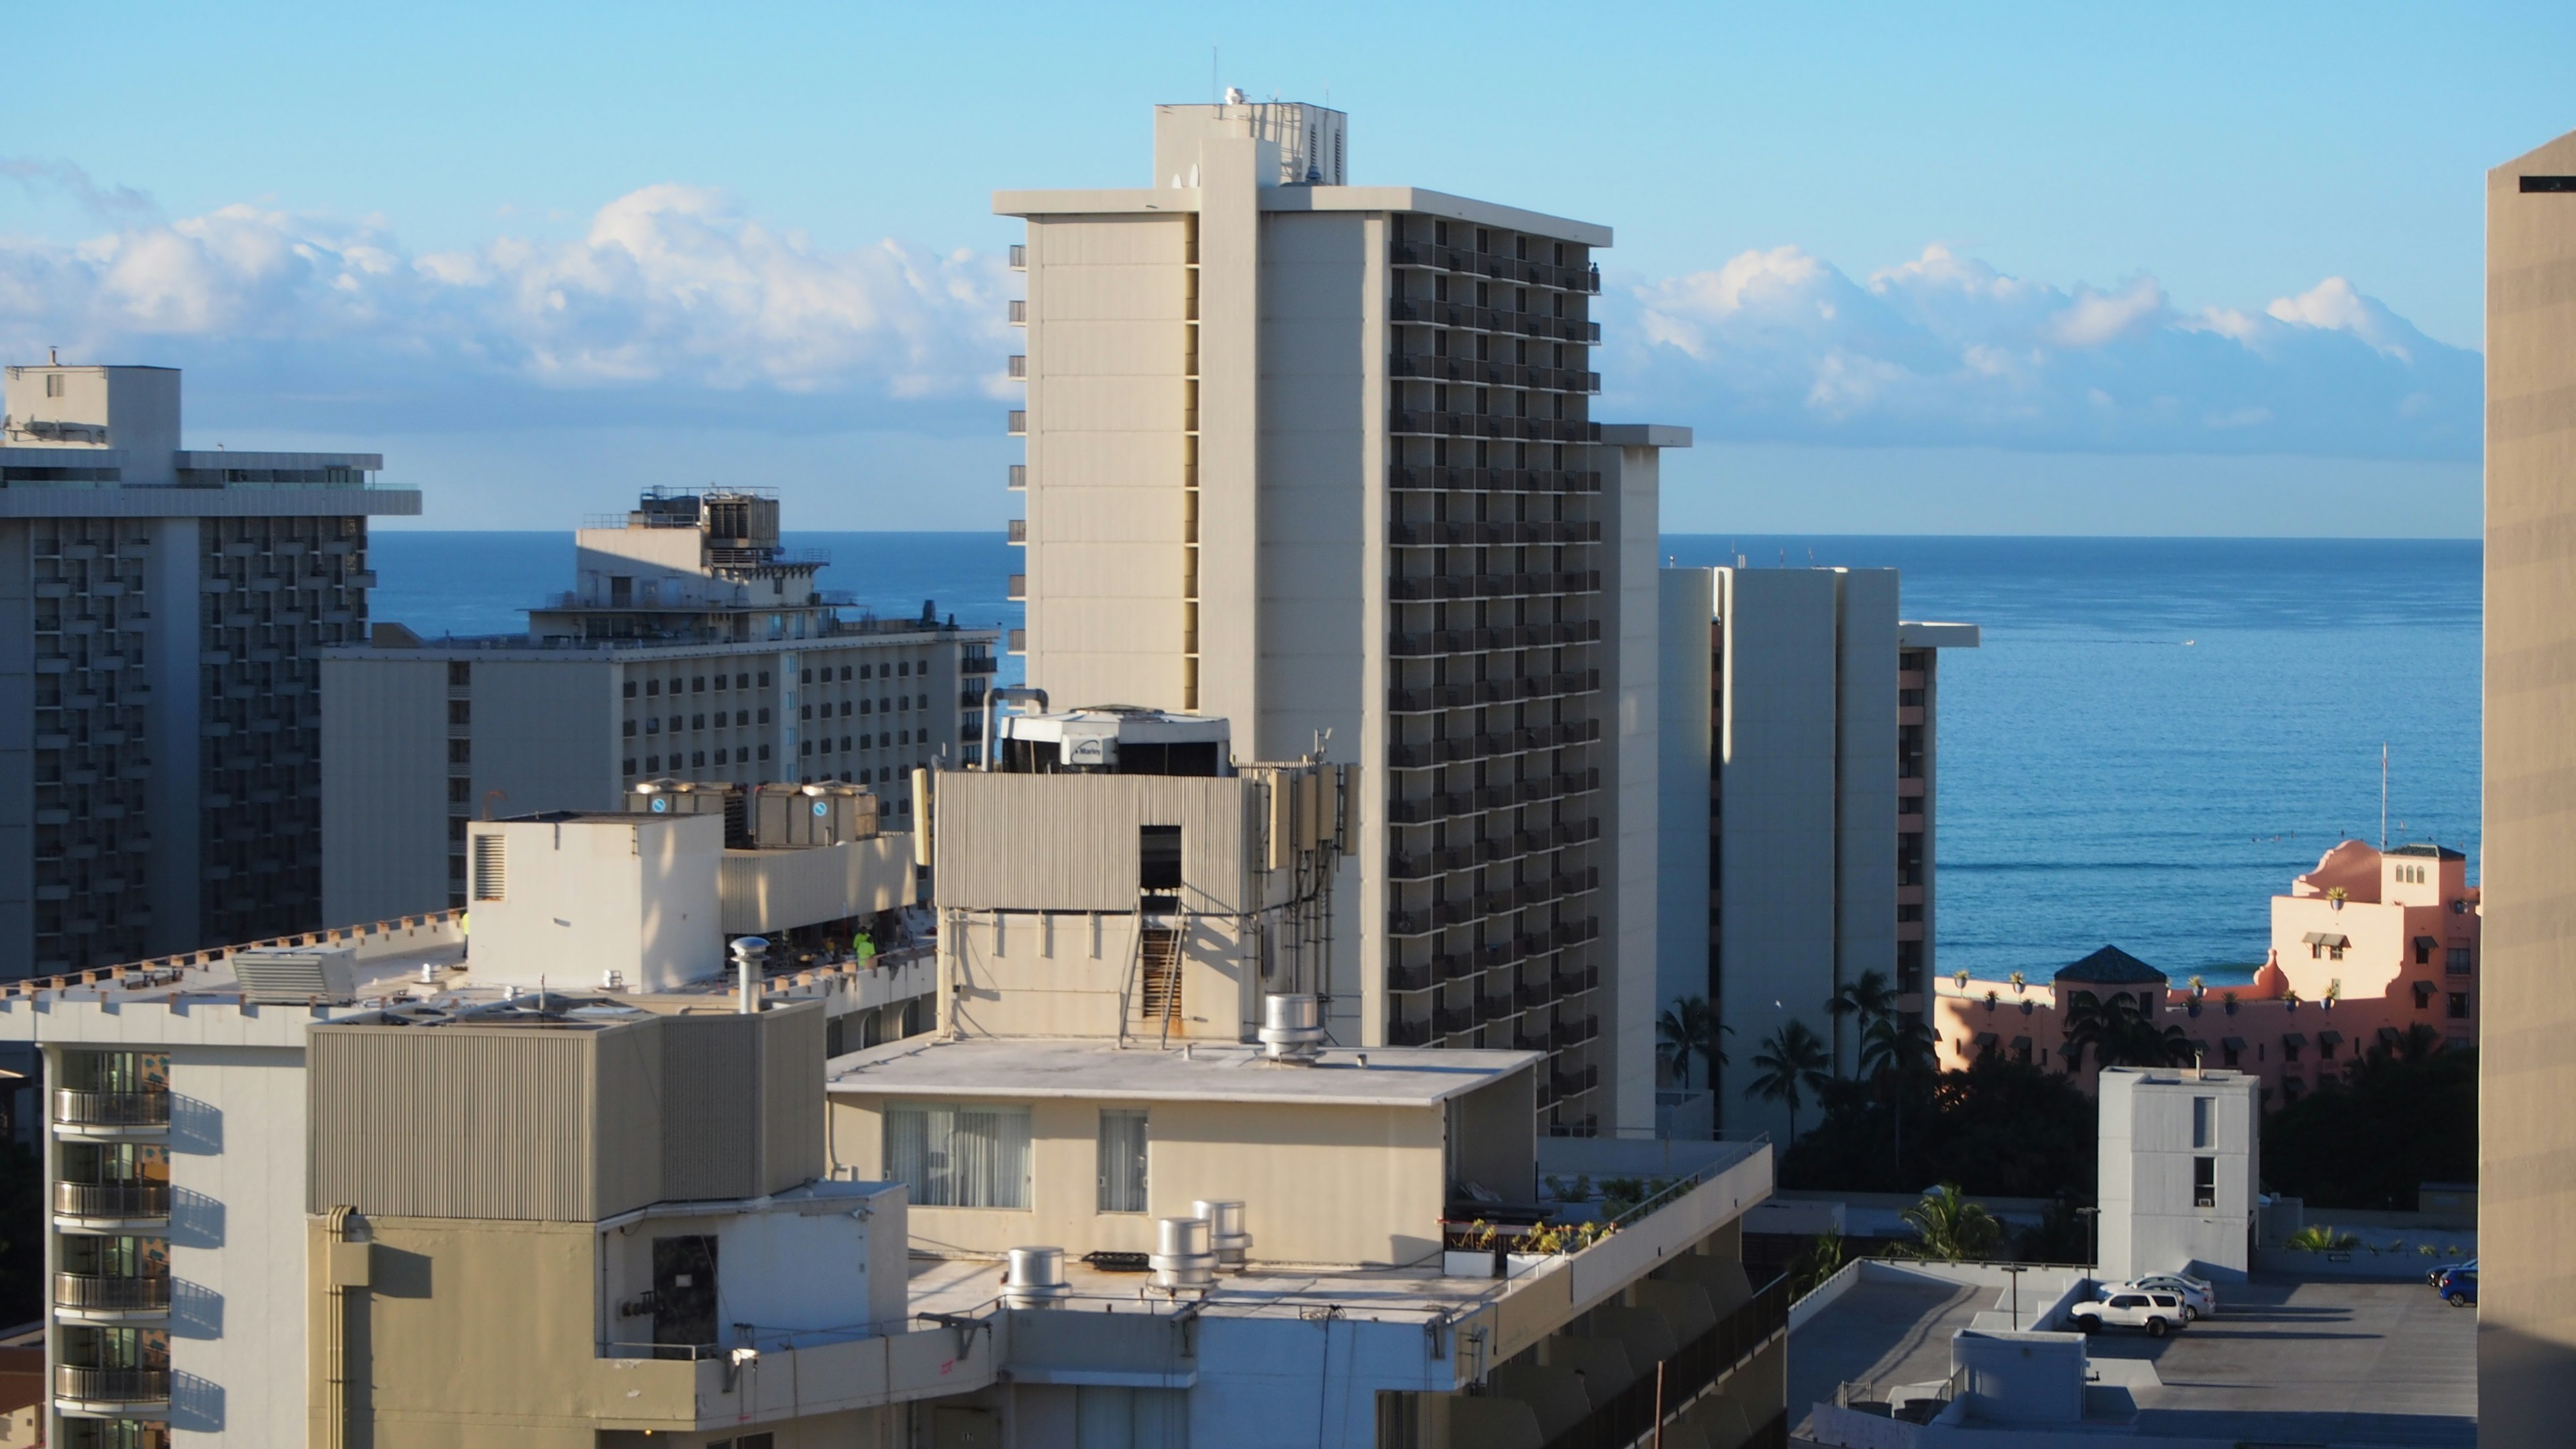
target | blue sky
[{"x": 1985, "y": 269}]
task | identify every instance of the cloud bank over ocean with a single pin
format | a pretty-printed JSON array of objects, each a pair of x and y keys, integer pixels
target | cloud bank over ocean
[{"x": 675, "y": 307}]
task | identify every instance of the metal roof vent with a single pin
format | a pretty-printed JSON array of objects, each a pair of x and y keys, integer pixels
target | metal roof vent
[
  {"x": 1292, "y": 1028},
  {"x": 1181, "y": 1258},
  {"x": 271, "y": 976},
  {"x": 1035, "y": 1278},
  {"x": 1225, "y": 1232}
]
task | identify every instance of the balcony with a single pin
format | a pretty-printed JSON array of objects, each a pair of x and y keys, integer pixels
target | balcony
[
  {"x": 112, "y": 1116},
  {"x": 978, "y": 664},
  {"x": 112, "y": 1207},
  {"x": 105, "y": 1298},
  {"x": 1019, "y": 478},
  {"x": 1019, "y": 531},
  {"x": 106, "y": 1391},
  {"x": 1019, "y": 256},
  {"x": 1019, "y": 314},
  {"x": 1020, "y": 366},
  {"x": 1017, "y": 423},
  {"x": 1016, "y": 589},
  {"x": 1018, "y": 642}
]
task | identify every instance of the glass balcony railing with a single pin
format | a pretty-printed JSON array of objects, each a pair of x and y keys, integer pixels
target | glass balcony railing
[
  {"x": 123, "y": 1386},
  {"x": 112, "y": 1201},
  {"x": 110, "y": 1293},
  {"x": 140, "y": 1109}
]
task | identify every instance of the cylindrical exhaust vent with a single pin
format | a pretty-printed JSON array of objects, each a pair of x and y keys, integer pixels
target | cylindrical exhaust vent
[
  {"x": 1292, "y": 1028},
  {"x": 1035, "y": 1278},
  {"x": 749, "y": 954},
  {"x": 1226, "y": 1237},
  {"x": 1181, "y": 1258}
]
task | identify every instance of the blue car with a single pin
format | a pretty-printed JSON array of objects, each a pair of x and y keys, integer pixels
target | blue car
[
  {"x": 2459, "y": 1287},
  {"x": 2445, "y": 1270}
]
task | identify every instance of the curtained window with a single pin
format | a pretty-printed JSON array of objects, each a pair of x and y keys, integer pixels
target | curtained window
[
  {"x": 959, "y": 1156},
  {"x": 1122, "y": 1161}
]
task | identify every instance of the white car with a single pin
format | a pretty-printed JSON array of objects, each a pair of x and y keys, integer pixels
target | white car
[
  {"x": 2156, "y": 1311},
  {"x": 2199, "y": 1297}
]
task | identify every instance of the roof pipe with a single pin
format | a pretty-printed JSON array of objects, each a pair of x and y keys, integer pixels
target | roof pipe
[
  {"x": 1028, "y": 693},
  {"x": 749, "y": 952}
]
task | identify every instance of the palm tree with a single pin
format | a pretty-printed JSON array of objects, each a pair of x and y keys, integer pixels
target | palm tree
[
  {"x": 1895, "y": 1053},
  {"x": 1868, "y": 998},
  {"x": 1951, "y": 1228},
  {"x": 1792, "y": 1061},
  {"x": 2119, "y": 1032},
  {"x": 1688, "y": 1026}
]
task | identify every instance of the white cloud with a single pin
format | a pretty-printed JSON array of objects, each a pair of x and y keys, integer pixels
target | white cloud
[
  {"x": 671, "y": 288},
  {"x": 1945, "y": 349},
  {"x": 674, "y": 307}
]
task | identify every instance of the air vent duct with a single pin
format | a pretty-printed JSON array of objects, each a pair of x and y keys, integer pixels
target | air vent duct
[{"x": 275, "y": 977}]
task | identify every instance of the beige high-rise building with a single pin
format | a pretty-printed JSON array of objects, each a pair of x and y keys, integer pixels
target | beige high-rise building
[
  {"x": 1321, "y": 457},
  {"x": 2527, "y": 1055}
]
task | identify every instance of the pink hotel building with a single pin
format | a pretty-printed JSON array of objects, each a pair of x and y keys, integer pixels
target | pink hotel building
[{"x": 2366, "y": 946}]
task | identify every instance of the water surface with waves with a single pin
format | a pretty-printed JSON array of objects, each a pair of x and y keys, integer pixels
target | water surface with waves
[{"x": 2154, "y": 737}]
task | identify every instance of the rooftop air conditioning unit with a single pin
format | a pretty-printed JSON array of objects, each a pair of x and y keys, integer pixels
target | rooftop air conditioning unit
[{"x": 275, "y": 976}]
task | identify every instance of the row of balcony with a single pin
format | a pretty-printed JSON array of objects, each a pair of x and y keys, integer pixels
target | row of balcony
[
  {"x": 1494, "y": 745},
  {"x": 1493, "y": 374},
  {"x": 1429, "y": 423},
  {"x": 1439, "y": 915},
  {"x": 1498, "y": 850},
  {"x": 1442, "y": 478},
  {"x": 1443, "y": 642},
  {"x": 1502, "y": 955},
  {"x": 1515, "y": 269},
  {"x": 1493, "y": 586},
  {"x": 1448, "y": 534},
  {"x": 1451, "y": 804},
  {"x": 1472, "y": 318},
  {"x": 1493, "y": 691}
]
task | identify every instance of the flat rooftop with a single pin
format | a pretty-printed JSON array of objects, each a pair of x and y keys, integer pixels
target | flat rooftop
[
  {"x": 2290, "y": 1362},
  {"x": 1145, "y": 1072}
]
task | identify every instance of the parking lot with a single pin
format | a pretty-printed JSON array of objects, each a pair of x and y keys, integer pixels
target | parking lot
[
  {"x": 2316, "y": 1361},
  {"x": 2308, "y": 1361}
]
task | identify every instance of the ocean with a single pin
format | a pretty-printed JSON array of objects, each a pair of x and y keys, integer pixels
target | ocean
[{"x": 2155, "y": 735}]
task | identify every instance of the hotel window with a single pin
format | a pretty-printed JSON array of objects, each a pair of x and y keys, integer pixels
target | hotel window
[
  {"x": 2459, "y": 1006},
  {"x": 2200, "y": 1120},
  {"x": 959, "y": 1156},
  {"x": 1122, "y": 1161},
  {"x": 2204, "y": 1182},
  {"x": 2455, "y": 961}
]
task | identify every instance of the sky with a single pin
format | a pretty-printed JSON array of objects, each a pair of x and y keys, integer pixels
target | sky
[{"x": 2188, "y": 269}]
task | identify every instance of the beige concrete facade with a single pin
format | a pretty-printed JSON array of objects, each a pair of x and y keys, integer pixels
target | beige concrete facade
[
  {"x": 2527, "y": 1060},
  {"x": 1804, "y": 710},
  {"x": 1319, "y": 457}
]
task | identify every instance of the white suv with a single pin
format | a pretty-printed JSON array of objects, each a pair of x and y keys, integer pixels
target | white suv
[
  {"x": 2156, "y": 1311},
  {"x": 2199, "y": 1298}
]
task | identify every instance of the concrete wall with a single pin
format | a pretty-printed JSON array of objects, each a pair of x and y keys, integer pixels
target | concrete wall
[
  {"x": 1686, "y": 605},
  {"x": 1631, "y": 681},
  {"x": 1776, "y": 765},
  {"x": 1108, "y": 300},
  {"x": 2149, "y": 1221},
  {"x": 236, "y": 1245},
  {"x": 1319, "y": 1184},
  {"x": 384, "y": 788},
  {"x": 2527, "y": 1314},
  {"x": 1865, "y": 725},
  {"x": 802, "y": 1270},
  {"x": 775, "y": 890},
  {"x": 635, "y": 894}
]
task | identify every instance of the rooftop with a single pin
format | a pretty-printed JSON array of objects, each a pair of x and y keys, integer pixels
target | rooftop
[
  {"x": 2284, "y": 1361},
  {"x": 2425, "y": 851},
  {"x": 1196, "y": 1072},
  {"x": 2111, "y": 966}
]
